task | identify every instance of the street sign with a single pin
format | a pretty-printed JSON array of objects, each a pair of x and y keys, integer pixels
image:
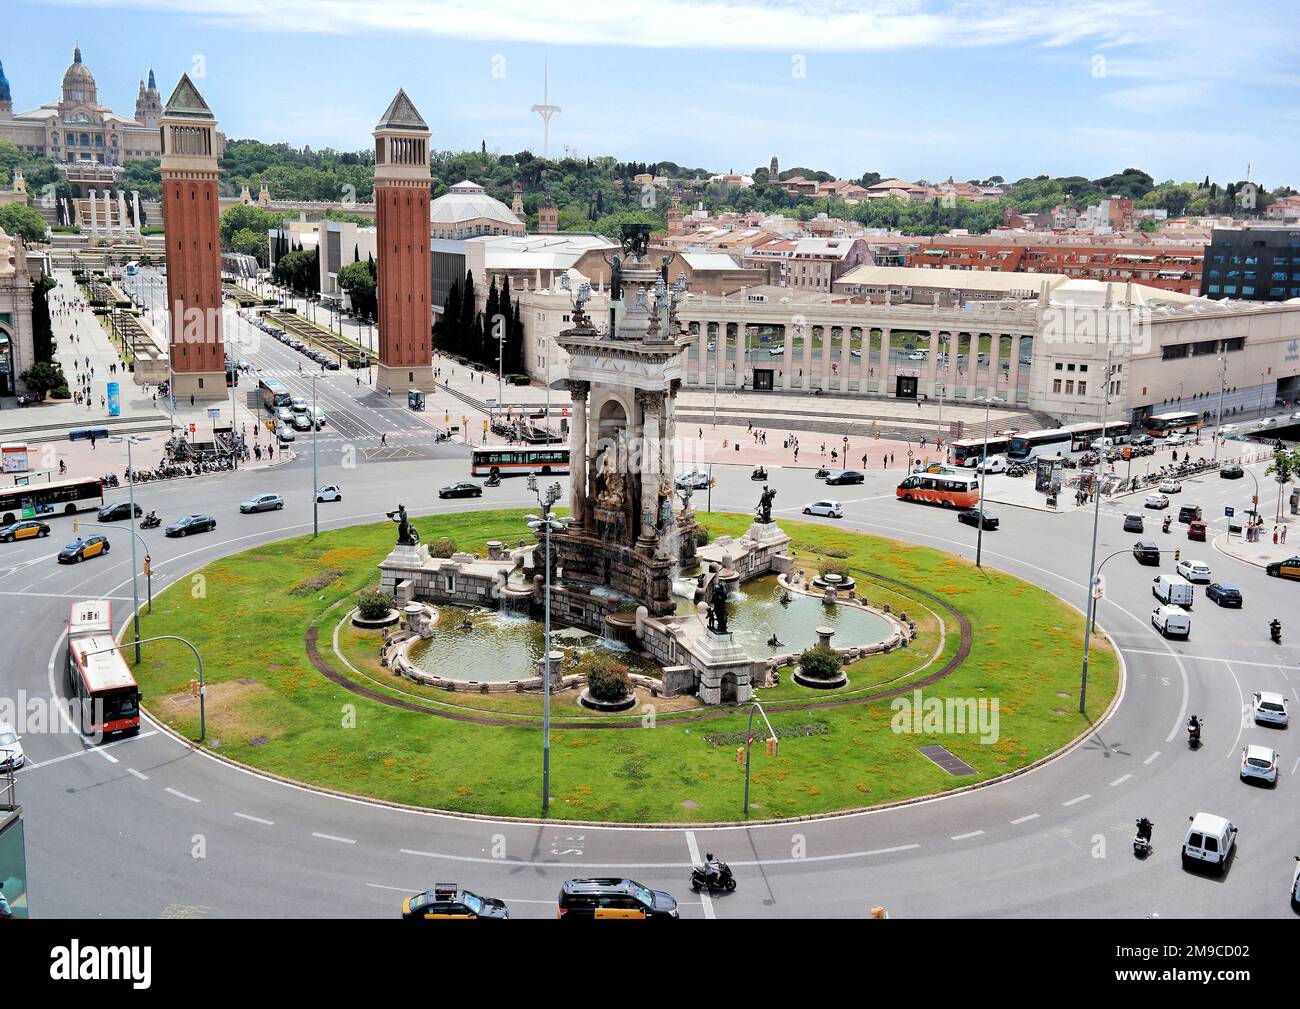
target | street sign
[
  {"x": 1228, "y": 510},
  {"x": 213, "y": 413},
  {"x": 192, "y": 429}
]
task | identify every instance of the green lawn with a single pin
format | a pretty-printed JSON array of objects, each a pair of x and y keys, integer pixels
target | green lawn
[{"x": 269, "y": 707}]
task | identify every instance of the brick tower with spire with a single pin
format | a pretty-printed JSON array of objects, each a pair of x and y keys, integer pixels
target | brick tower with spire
[
  {"x": 191, "y": 219},
  {"x": 404, "y": 285}
]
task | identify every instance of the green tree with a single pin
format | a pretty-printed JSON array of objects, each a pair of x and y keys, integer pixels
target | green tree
[
  {"x": 250, "y": 243},
  {"x": 1284, "y": 467},
  {"x": 355, "y": 278},
  {"x": 42, "y": 378},
  {"x": 21, "y": 220},
  {"x": 42, "y": 330}
]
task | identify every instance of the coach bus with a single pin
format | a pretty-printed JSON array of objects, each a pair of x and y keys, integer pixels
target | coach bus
[
  {"x": 1031, "y": 444},
  {"x": 950, "y": 490},
  {"x": 274, "y": 394},
  {"x": 969, "y": 451},
  {"x": 506, "y": 460},
  {"x": 104, "y": 696},
  {"x": 1165, "y": 424},
  {"x": 57, "y": 497}
]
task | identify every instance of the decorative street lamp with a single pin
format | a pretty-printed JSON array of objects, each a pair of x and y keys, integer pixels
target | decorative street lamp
[{"x": 547, "y": 524}]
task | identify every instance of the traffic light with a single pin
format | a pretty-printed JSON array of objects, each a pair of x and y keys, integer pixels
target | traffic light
[
  {"x": 1254, "y": 500},
  {"x": 771, "y": 746},
  {"x": 76, "y": 525},
  {"x": 1177, "y": 555},
  {"x": 740, "y": 754},
  {"x": 146, "y": 566}
]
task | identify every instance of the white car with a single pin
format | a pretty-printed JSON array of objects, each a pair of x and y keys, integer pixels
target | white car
[
  {"x": 993, "y": 464},
  {"x": 299, "y": 404},
  {"x": 1259, "y": 762},
  {"x": 329, "y": 493},
  {"x": 11, "y": 748},
  {"x": 1271, "y": 708},
  {"x": 829, "y": 509},
  {"x": 1209, "y": 839},
  {"x": 1175, "y": 439},
  {"x": 1170, "y": 487},
  {"x": 1193, "y": 571},
  {"x": 284, "y": 432},
  {"x": 1156, "y": 501},
  {"x": 917, "y": 355},
  {"x": 317, "y": 416},
  {"x": 1172, "y": 622}
]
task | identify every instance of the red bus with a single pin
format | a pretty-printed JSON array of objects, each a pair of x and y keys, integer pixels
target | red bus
[
  {"x": 504, "y": 460},
  {"x": 949, "y": 490},
  {"x": 103, "y": 693}
]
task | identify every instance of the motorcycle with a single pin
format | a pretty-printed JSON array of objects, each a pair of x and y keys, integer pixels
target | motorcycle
[
  {"x": 1194, "y": 732},
  {"x": 492, "y": 481},
  {"x": 822, "y": 473},
  {"x": 759, "y": 473},
  {"x": 1275, "y": 631},
  {"x": 150, "y": 521},
  {"x": 714, "y": 874},
  {"x": 1165, "y": 526},
  {"x": 1142, "y": 839}
]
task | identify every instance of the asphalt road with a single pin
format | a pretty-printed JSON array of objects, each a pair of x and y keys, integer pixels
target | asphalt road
[{"x": 113, "y": 830}]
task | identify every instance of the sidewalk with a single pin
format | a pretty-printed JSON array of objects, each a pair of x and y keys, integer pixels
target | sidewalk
[{"x": 1265, "y": 551}]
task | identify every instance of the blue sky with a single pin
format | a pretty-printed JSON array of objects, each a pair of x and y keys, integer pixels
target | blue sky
[{"x": 918, "y": 89}]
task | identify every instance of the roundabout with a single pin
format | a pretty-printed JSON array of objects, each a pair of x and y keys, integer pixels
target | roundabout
[{"x": 296, "y": 690}]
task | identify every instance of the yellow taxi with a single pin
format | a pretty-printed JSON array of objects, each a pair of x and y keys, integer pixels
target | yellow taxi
[
  {"x": 447, "y": 900},
  {"x": 78, "y": 550},
  {"x": 1289, "y": 568},
  {"x": 27, "y": 530}
]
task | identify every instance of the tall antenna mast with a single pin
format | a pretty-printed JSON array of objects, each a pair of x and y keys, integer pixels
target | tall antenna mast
[{"x": 546, "y": 110}]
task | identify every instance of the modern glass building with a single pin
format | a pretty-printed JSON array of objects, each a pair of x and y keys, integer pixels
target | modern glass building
[{"x": 1253, "y": 264}]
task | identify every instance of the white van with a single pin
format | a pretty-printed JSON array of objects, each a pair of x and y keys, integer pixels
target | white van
[
  {"x": 1210, "y": 840},
  {"x": 1172, "y": 590},
  {"x": 1172, "y": 622}
]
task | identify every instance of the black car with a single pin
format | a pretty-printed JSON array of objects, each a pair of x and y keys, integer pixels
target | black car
[
  {"x": 845, "y": 476},
  {"x": 1189, "y": 513},
  {"x": 1232, "y": 472},
  {"x": 1289, "y": 568},
  {"x": 462, "y": 489},
  {"x": 447, "y": 900},
  {"x": 118, "y": 512},
  {"x": 1146, "y": 553},
  {"x": 192, "y": 524},
  {"x": 1224, "y": 595},
  {"x": 613, "y": 898},
  {"x": 1141, "y": 439},
  {"x": 971, "y": 517}
]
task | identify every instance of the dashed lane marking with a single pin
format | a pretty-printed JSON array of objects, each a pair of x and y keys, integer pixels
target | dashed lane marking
[
  {"x": 512, "y": 863},
  {"x": 332, "y": 837},
  {"x": 137, "y": 774},
  {"x": 256, "y": 819},
  {"x": 1076, "y": 799},
  {"x": 1152, "y": 757},
  {"x": 1120, "y": 780},
  {"x": 963, "y": 837},
  {"x": 181, "y": 795},
  {"x": 1024, "y": 819}
]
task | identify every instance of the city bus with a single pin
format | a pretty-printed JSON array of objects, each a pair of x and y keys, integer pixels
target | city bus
[
  {"x": 1163, "y": 424},
  {"x": 57, "y": 497},
  {"x": 950, "y": 490},
  {"x": 274, "y": 394},
  {"x": 104, "y": 696},
  {"x": 969, "y": 451},
  {"x": 1032, "y": 444},
  {"x": 506, "y": 460},
  {"x": 132, "y": 268}
]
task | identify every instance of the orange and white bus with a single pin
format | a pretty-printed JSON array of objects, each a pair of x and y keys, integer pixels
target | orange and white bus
[
  {"x": 950, "y": 490},
  {"x": 103, "y": 693},
  {"x": 969, "y": 451},
  {"x": 507, "y": 460}
]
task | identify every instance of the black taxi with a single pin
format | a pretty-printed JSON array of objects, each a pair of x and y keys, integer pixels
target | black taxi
[
  {"x": 613, "y": 898},
  {"x": 447, "y": 900}
]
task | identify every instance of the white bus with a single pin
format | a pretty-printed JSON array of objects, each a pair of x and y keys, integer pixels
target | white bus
[
  {"x": 969, "y": 451},
  {"x": 1031, "y": 444},
  {"x": 505, "y": 460}
]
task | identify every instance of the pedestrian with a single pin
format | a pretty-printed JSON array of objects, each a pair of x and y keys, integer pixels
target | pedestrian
[
  {"x": 92, "y": 439},
  {"x": 1284, "y": 534},
  {"x": 1275, "y": 536},
  {"x": 192, "y": 395},
  {"x": 383, "y": 438},
  {"x": 864, "y": 460},
  {"x": 891, "y": 458}
]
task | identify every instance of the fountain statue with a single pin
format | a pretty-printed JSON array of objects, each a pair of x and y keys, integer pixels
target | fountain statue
[
  {"x": 407, "y": 534},
  {"x": 718, "y": 607},
  {"x": 764, "y": 510}
]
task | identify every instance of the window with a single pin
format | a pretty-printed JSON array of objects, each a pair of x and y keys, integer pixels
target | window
[
  {"x": 1056, "y": 385},
  {"x": 1083, "y": 388},
  {"x": 1069, "y": 387}
]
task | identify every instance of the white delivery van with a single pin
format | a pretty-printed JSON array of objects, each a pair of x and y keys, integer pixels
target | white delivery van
[
  {"x": 1172, "y": 621},
  {"x": 1172, "y": 590},
  {"x": 1210, "y": 840}
]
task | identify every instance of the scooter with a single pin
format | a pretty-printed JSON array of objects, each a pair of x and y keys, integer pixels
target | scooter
[
  {"x": 1275, "y": 631},
  {"x": 150, "y": 521},
  {"x": 1165, "y": 526},
  {"x": 1142, "y": 839},
  {"x": 822, "y": 473},
  {"x": 492, "y": 481},
  {"x": 720, "y": 878},
  {"x": 1194, "y": 732},
  {"x": 759, "y": 473}
]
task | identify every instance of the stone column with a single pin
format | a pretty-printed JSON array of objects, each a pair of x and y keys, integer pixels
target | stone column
[
  {"x": 668, "y": 436},
  {"x": 121, "y": 214},
  {"x": 932, "y": 364},
  {"x": 995, "y": 362},
  {"x": 806, "y": 382},
  {"x": 954, "y": 349},
  {"x": 885, "y": 335},
  {"x": 973, "y": 359},
  {"x": 135, "y": 209},
  {"x": 1014, "y": 378},
  {"x": 828, "y": 344},
  {"x": 93, "y": 223},
  {"x": 702, "y": 376},
  {"x": 846, "y": 357},
  {"x": 578, "y": 457},
  {"x": 787, "y": 335},
  {"x": 650, "y": 404}
]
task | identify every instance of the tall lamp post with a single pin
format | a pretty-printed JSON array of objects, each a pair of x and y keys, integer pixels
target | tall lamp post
[
  {"x": 315, "y": 497},
  {"x": 132, "y": 439},
  {"x": 1218, "y": 413},
  {"x": 203, "y": 715},
  {"x": 984, "y": 476},
  {"x": 546, "y": 523},
  {"x": 1092, "y": 563}
]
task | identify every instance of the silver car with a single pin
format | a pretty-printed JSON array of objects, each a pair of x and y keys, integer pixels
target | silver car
[
  {"x": 1259, "y": 762},
  {"x": 1271, "y": 708},
  {"x": 262, "y": 503}
]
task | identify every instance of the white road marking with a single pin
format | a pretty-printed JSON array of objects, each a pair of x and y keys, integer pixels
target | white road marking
[
  {"x": 181, "y": 795},
  {"x": 962, "y": 837},
  {"x": 1024, "y": 819},
  {"x": 256, "y": 819},
  {"x": 136, "y": 774},
  {"x": 1120, "y": 780},
  {"x": 331, "y": 837},
  {"x": 1077, "y": 798},
  {"x": 1152, "y": 757},
  {"x": 31, "y": 765},
  {"x": 1241, "y": 699},
  {"x": 693, "y": 850},
  {"x": 478, "y": 859},
  {"x": 1201, "y": 658}
]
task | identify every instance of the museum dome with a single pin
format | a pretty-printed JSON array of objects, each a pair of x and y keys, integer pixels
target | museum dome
[
  {"x": 468, "y": 201},
  {"x": 78, "y": 81}
]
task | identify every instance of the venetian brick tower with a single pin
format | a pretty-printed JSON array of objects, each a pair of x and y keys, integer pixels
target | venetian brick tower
[
  {"x": 404, "y": 283},
  {"x": 191, "y": 219}
]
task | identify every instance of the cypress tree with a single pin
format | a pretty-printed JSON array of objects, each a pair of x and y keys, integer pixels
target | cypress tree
[
  {"x": 469, "y": 340},
  {"x": 492, "y": 310}
]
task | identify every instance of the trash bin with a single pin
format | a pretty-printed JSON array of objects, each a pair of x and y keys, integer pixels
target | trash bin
[{"x": 1295, "y": 502}]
